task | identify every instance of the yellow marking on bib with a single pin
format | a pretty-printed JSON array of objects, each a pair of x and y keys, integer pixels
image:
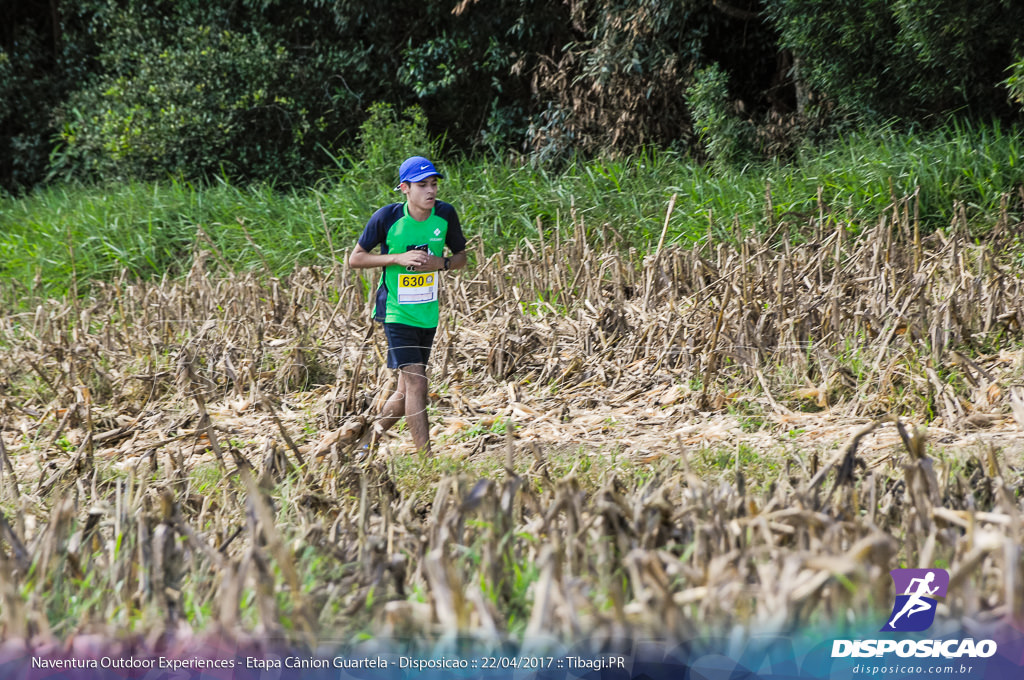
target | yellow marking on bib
[{"x": 417, "y": 288}]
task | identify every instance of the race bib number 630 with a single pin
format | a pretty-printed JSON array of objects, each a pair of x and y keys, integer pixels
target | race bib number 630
[{"x": 417, "y": 288}]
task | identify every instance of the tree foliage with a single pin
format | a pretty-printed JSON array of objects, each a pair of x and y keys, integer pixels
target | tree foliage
[
  {"x": 276, "y": 89},
  {"x": 214, "y": 100},
  {"x": 726, "y": 137},
  {"x": 39, "y": 66},
  {"x": 909, "y": 59},
  {"x": 1015, "y": 83}
]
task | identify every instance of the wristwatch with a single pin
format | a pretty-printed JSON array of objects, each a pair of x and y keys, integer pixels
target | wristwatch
[{"x": 447, "y": 263}]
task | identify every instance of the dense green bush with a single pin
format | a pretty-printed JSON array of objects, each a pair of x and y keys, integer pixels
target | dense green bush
[
  {"x": 911, "y": 59},
  {"x": 726, "y": 137},
  {"x": 209, "y": 101},
  {"x": 252, "y": 89},
  {"x": 200, "y": 89},
  {"x": 387, "y": 137}
]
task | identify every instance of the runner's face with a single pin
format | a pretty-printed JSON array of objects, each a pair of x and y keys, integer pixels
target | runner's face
[{"x": 421, "y": 195}]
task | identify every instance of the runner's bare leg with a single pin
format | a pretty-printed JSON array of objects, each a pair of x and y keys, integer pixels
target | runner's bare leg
[
  {"x": 410, "y": 400},
  {"x": 416, "y": 405},
  {"x": 394, "y": 407}
]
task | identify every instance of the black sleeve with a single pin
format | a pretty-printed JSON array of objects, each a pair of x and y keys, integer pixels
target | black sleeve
[
  {"x": 455, "y": 239},
  {"x": 376, "y": 231}
]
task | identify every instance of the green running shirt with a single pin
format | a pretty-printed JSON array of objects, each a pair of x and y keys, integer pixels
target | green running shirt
[{"x": 405, "y": 297}]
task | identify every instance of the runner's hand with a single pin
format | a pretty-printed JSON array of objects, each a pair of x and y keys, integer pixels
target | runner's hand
[
  {"x": 412, "y": 259},
  {"x": 431, "y": 263}
]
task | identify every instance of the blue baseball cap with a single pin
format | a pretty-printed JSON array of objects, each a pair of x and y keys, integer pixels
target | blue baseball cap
[{"x": 415, "y": 169}]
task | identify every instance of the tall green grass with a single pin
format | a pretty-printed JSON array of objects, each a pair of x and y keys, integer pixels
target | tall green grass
[
  {"x": 63, "y": 234},
  {"x": 974, "y": 165}
]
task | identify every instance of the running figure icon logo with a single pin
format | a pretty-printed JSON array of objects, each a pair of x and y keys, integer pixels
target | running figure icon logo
[{"x": 916, "y": 593}]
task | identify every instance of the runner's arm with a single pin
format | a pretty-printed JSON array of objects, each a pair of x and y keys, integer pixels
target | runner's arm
[
  {"x": 436, "y": 264},
  {"x": 363, "y": 259},
  {"x": 458, "y": 260}
]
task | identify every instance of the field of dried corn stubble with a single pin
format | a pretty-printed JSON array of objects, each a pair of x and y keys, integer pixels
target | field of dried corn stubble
[{"x": 743, "y": 438}]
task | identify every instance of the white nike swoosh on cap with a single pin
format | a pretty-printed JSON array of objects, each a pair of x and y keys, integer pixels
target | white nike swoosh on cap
[{"x": 423, "y": 167}]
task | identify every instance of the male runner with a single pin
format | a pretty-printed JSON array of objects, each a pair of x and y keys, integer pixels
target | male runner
[{"x": 412, "y": 237}]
